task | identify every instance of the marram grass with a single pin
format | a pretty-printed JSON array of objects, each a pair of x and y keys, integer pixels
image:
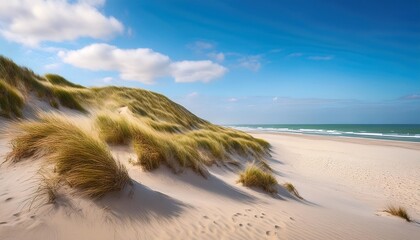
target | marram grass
[
  {"x": 398, "y": 211},
  {"x": 11, "y": 100},
  {"x": 179, "y": 149},
  {"x": 254, "y": 176},
  {"x": 81, "y": 160},
  {"x": 291, "y": 188}
]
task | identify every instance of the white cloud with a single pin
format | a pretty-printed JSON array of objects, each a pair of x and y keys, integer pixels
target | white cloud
[
  {"x": 321, "y": 58},
  {"x": 193, "y": 71},
  {"x": 93, "y": 2},
  {"x": 232, "y": 100},
  {"x": 33, "y": 21},
  {"x": 141, "y": 64},
  {"x": 220, "y": 57},
  {"x": 275, "y": 99},
  {"x": 252, "y": 63}
]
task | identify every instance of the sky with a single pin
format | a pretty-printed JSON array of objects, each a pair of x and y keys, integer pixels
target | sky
[{"x": 233, "y": 61}]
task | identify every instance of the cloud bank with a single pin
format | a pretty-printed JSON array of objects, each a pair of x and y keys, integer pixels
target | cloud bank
[
  {"x": 31, "y": 22},
  {"x": 141, "y": 64}
]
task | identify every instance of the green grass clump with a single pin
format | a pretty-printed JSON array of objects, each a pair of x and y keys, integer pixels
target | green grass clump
[
  {"x": 114, "y": 129},
  {"x": 253, "y": 176},
  {"x": 68, "y": 98},
  {"x": 80, "y": 160},
  {"x": 59, "y": 80},
  {"x": 11, "y": 100},
  {"x": 289, "y": 187},
  {"x": 399, "y": 212}
]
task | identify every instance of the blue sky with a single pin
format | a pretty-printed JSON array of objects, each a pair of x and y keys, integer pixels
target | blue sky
[{"x": 233, "y": 61}]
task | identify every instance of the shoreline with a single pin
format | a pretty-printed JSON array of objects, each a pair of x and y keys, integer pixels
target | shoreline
[{"x": 357, "y": 140}]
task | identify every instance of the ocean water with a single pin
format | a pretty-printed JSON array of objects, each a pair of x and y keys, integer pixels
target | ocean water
[{"x": 400, "y": 132}]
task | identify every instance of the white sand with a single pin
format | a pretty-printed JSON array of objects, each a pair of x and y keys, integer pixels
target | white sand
[{"x": 345, "y": 183}]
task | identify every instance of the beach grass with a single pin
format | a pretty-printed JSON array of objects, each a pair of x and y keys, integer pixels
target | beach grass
[
  {"x": 80, "y": 159},
  {"x": 61, "y": 81},
  {"x": 254, "y": 176},
  {"x": 292, "y": 189},
  {"x": 113, "y": 128},
  {"x": 161, "y": 131},
  {"x": 11, "y": 100},
  {"x": 398, "y": 211}
]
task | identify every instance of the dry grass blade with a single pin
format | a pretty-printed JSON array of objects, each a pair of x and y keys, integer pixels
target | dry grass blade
[
  {"x": 291, "y": 188},
  {"x": 398, "y": 211}
]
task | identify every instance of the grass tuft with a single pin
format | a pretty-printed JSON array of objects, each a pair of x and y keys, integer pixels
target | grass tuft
[
  {"x": 59, "y": 80},
  {"x": 398, "y": 211},
  {"x": 11, "y": 100},
  {"x": 291, "y": 188},
  {"x": 68, "y": 99},
  {"x": 253, "y": 176},
  {"x": 80, "y": 160},
  {"x": 114, "y": 129}
]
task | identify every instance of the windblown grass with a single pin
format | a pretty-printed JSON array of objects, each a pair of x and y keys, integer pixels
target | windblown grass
[
  {"x": 162, "y": 131},
  {"x": 193, "y": 149},
  {"x": 80, "y": 160},
  {"x": 114, "y": 129},
  {"x": 398, "y": 211},
  {"x": 68, "y": 98},
  {"x": 254, "y": 176},
  {"x": 59, "y": 80},
  {"x": 11, "y": 101},
  {"x": 291, "y": 188}
]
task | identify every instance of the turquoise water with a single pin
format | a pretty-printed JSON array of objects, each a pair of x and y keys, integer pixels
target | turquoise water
[{"x": 401, "y": 132}]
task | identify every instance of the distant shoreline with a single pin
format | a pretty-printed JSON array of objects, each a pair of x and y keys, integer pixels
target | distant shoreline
[
  {"x": 388, "y": 132},
  {"x": 355, "y": 140}
]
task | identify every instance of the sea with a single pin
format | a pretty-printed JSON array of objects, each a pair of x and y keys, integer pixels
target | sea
[{"x": 398, "y": 132}]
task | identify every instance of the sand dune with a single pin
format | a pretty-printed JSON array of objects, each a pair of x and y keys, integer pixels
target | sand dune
[{"x": 345, "y": 185}]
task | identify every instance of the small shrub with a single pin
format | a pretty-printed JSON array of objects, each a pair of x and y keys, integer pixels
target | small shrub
[
  {"x": 254, "y": 176},
  {"x": 398, "y": 211}
]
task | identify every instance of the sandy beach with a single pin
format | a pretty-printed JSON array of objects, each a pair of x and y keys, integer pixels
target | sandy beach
[{"x": 345, "y": 183}]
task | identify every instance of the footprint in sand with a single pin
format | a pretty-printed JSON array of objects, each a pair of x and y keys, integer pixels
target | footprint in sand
[
  {"x": 16, "y": 214},
  {"x": 240, "y": 225},
  {"x": 205, "y": 217},
  {"x": 3, "y": 223},
  {"x": 8, "y": 199},
  {"x": 268, "y": 233},
  {"x": 249, "y": 224},
  {"x": 248, "y": 210},
  {"x": 276, "y": 226}
]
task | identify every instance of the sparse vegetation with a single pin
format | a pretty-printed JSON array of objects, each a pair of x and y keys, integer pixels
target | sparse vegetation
[
  {"x": 254, "y": 176},
  {"x": 398, "y": 211},
  {"x": 291, "y": 188},
  {"x": 80, "y": 160},
  {"x": 11, "y": 101}
]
